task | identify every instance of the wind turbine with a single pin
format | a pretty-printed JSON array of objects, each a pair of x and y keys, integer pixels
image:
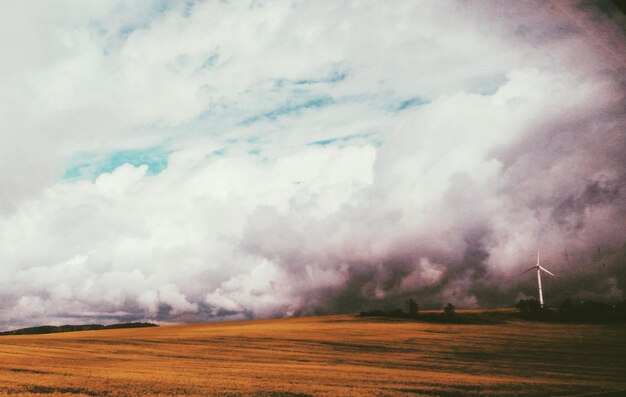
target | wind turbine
[{"x": 539, "y": 269}]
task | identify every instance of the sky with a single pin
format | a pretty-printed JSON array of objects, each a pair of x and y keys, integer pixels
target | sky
[{"x": 223, "y": 160}]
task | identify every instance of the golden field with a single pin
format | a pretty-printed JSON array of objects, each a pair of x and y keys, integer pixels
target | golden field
[{"x": 319, "y": 356}]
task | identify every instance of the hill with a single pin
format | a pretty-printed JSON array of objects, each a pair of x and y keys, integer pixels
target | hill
[
  {"x": 320, "y": 356},
  {"x": 52, "y": 329}
]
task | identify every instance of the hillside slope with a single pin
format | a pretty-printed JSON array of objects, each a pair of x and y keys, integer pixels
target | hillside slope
[
  {"x": 319, "y": 356},
  {"x": 54, "y": 329}
]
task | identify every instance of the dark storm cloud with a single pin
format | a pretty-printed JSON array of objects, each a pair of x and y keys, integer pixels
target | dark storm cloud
[{"x": 516, "y": 143}]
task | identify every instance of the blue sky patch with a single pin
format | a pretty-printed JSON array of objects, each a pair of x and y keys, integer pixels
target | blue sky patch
[
  {"x": 334, "y": 77},
  {"x": 189, "y": 4},
  {"x": 412, "y": 102},
  {"x": 143, "y": 14},
  {"x": 156, "y": 9},
  {"x": 156, "y": 158},
  {"x": 341, "y": 139},
  {"x": 218, "y": 153},
  {"x": 289, "y": 108},
  {"x": 126, "y": 30},
  {"x": 210, "y": 61}
]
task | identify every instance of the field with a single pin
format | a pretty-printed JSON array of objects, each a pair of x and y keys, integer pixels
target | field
[{"x": 319, "y": 356}]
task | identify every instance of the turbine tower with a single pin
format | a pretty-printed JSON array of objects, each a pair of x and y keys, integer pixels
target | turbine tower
[{"x": 539, "y": 269}]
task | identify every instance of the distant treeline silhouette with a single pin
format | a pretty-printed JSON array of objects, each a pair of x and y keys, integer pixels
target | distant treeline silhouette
[
  {"x": 53, "y": 329},
  {"x": 573, "y": 311},
  {"x": 411, "y": 311},
  {"x": 584, "y": 311}
]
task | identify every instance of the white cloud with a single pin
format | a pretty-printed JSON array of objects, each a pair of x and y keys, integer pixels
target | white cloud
[{"x": 320, "y": 155}]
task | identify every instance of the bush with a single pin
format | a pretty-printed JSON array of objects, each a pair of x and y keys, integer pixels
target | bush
[
  {"x": 411, "y": 306},
  {"x": 449, "y": 310},
  {"x": 528, "y": 306}
]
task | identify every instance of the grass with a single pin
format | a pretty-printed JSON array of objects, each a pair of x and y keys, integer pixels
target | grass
[{"x": 319, "y": 356}]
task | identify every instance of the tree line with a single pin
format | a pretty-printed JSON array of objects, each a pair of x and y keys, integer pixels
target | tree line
[
  {"x": 573, "y": 310},
  {"x": 411, "y": 310}
]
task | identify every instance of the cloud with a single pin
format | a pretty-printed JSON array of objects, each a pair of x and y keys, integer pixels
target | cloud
[{"x": 223, "y": 161}]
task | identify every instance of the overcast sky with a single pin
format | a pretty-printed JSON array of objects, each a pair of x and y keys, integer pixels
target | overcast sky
[{"x": 194, "y": 161}]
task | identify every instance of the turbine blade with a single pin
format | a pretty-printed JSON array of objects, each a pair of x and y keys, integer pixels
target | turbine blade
[
  {"x": 547, "y": 271},
  {"x": 534, "y": 267}
]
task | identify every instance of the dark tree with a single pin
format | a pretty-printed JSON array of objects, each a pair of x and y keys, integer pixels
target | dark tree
[
  {"x": 528, "y": 306},
  {"x": 449, "y": 310},
  {"x": 411, "y": 306}
]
